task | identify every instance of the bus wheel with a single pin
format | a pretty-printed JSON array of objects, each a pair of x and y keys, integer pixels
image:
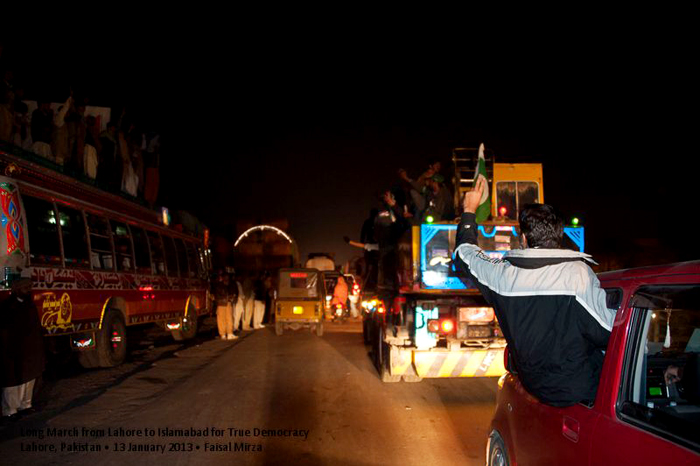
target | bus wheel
[
  {"x": 89, "y": 359},
  {"x": 111, "y": 340},
  {"x": 278, "y": 328},
  {"x": 188, "y": 329}
]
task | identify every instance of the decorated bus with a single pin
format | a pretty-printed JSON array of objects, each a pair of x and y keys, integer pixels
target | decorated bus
[{"x": 99, "y": 263}]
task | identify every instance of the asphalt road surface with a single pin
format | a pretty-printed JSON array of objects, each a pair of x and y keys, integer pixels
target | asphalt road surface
[{"x": 262, "y": 399}]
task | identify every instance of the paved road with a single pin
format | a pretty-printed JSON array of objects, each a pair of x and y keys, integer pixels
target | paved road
[{"x": 294, "y": 399}]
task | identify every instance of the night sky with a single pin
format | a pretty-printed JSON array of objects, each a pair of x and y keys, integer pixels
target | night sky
[{"x": 313, "y": 136}]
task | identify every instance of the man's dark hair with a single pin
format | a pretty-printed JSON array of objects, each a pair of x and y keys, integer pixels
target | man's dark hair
[{"x": 541, "y": 225}]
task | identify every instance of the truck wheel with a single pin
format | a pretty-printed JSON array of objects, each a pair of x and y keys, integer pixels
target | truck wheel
[
  {"x": 111, "y": 340},
  {"x": 188, "y": 329},
  {"x": 278, "y": 328},
  {"x": 383, "y": 359},
  {"x": 498, "y": 456},
  {"x": 366, "y": 331},
  {"x": 319, "y": 329}
]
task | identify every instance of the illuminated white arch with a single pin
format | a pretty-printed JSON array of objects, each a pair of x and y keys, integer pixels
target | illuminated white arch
[{"x": 262, "y": 228}]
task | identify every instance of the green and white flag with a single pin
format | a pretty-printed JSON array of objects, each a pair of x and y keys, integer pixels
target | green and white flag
[{"x": 484, "y": 209}]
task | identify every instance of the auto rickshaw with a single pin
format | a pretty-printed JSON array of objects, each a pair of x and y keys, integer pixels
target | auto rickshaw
[{"x": 300, "y": 300}]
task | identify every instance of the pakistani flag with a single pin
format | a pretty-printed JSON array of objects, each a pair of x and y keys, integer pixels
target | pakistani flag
[{"x": 484, "y": 209}]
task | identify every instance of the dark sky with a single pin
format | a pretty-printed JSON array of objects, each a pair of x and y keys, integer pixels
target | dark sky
[{"x": 312, "y": 135}]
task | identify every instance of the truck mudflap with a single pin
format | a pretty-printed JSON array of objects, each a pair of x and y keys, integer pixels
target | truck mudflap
[{"x": 463, "y": 362}]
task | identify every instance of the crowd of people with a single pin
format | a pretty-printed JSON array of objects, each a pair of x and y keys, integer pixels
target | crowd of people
[
  {"x": 121, "y": 156},
  {"x": 241, "y": 305},
  {"x": 408, "y": 202}
]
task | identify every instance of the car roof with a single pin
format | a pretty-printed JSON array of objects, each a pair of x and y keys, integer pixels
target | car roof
[{"x": 677, "y": 268}]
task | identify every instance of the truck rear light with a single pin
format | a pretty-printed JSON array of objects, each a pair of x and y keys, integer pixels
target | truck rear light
[
  {"x": 433, "y": 326},
  {"x": 447, "y": 326},
  {"x": 443, "y": 326},
  {"x": 399, "y": 303},
  {"x": 476, "y": 314}
]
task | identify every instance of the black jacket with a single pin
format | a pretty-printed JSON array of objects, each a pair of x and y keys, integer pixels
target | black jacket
[
  {"x": 21, "y": 342},
  {"x": 551, "y": 310}
]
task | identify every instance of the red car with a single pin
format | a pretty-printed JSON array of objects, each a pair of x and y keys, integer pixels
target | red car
[{"x": 647, "y": 407}]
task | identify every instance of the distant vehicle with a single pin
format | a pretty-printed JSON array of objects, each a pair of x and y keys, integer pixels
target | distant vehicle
[
  {"x": 647, "y": 408},
  {"x": 99, "y": 263},
  {"x": 320, "y": 261},
  {"x": 300, "y": 300}
]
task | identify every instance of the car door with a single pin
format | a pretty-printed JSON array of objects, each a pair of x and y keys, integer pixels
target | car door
[
  {"x": 655, "y": 414},
  {"x": 547, "y": 435},
  {"x": 543, "y": 434}
]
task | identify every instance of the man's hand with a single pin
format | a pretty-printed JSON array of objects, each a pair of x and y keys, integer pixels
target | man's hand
[{"x": 473, "y": 197}]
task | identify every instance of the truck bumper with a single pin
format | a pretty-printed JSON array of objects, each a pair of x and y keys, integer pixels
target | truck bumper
[{"x": 436, "y": 363}]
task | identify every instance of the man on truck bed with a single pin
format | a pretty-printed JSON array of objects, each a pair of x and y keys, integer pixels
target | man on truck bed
[{"x": 548, "y": 302}]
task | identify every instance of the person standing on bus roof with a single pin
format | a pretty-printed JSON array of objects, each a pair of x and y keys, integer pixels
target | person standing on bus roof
[{"x": 21, "y": 349}]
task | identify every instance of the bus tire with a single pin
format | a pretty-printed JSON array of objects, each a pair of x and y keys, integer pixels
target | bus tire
[
  {"x": 111, "y": 340},
  {"x": 189, "y": 326},
  {"x": 279, "y": 330},
  {"x": 89, "y": 359}
]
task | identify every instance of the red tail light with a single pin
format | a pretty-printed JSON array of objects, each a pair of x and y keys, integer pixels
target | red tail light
[
  {"x": 443, "y": 326},
  {"x": 399, "y": 303},
  {"x": 447, "y": 326}
]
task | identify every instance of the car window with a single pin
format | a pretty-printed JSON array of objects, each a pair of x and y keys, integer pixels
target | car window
[{"x": 661, "y": 382}]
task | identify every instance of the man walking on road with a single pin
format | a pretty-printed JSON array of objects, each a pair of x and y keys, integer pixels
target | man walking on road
[{"x": 548, "y": 301}]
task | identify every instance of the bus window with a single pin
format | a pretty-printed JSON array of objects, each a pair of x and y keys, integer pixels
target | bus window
[
  {"x": 171, "y": 255},
  {"x": 181, "y": 257},
  {"x": 43, "y": 231},
  {"x": 157, "y": 252},
  {"x": 101, "y": 257},
  {"x": 143, "y": 257},
  {"x": 75, "y": 250},
  {"x": 122, "y": 246},
  {"x": 195, "y": 264}
]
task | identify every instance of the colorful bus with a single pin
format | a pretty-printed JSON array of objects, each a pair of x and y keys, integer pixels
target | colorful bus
[{"x": 99, "y": 262}]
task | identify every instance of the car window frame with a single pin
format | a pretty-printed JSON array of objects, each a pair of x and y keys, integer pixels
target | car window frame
[{"x": 631, "y": 352}]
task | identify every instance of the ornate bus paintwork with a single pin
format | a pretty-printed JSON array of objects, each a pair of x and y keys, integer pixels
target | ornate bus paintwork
[{"x": 74, "y": 296}]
